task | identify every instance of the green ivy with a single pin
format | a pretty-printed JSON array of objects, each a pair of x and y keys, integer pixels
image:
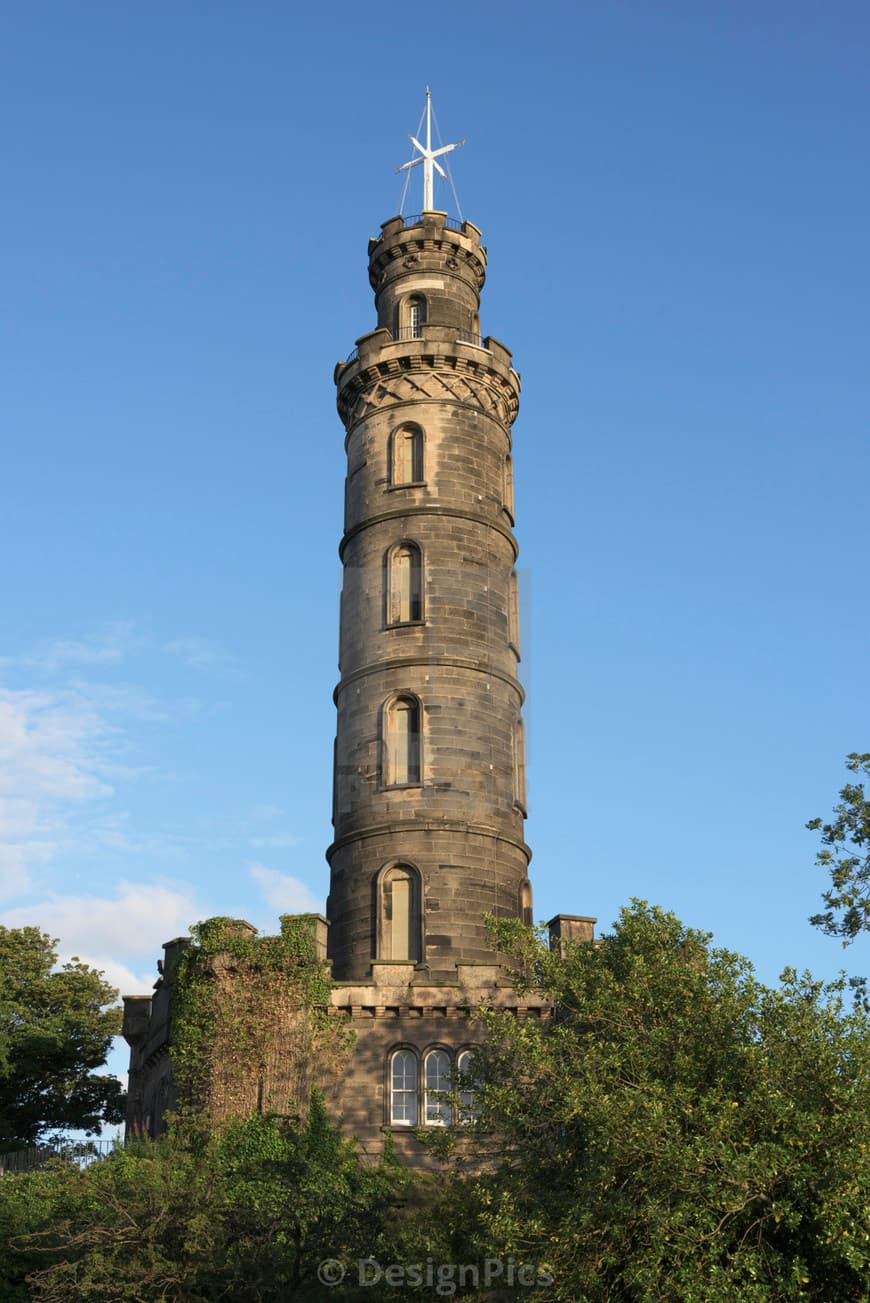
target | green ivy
[{"x": 266, "y": 971}]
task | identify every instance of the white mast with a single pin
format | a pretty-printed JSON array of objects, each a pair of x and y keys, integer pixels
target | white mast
[{"x": 428, "y": 157}]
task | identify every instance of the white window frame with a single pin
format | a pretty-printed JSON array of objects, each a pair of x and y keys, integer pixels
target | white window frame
[
  {"x": 437, "y": 1082},
  {"x": 404, "y": 1093}
]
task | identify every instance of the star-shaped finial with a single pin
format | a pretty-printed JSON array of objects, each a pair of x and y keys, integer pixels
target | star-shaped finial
[{"x": 428, "y": 157}]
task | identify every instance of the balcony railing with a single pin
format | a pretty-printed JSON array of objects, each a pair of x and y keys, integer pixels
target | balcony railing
[
  {"x": 416, "y": 219},
  {"x": 416, "y": 332}
]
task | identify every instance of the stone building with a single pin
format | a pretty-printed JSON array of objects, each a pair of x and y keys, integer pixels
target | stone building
[{"x": 429, "y": 797}]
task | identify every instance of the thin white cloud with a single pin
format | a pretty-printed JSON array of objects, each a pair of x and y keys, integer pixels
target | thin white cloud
[
  {"x": 108, "y": 645},
  {"x": 123, "y": 978},
  {"x": 66, "y": 747},
  {"x": 200, "y": 654},
  {"x": 50, "y": 746},
  {"x": 129, "y": 700},
  {"x": 121, "y": 935},
  {"x": 265, "y": 812},
  {"x": 114, "y": 642},
  {"x": 56, "y": 755},
  {"x": 133, "y": 923},
  {"x": 15, "y": 861},
  {"x": 284, "y": 893}
]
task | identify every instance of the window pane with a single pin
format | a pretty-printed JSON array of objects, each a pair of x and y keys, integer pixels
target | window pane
[
  {"x": 415, "y": 585},
  {"x": 402, "y": 735},
  {"x": 403, "y": 1089},
  {"x": 405, "y": 580},
  {"x": 438, "y": 1110},
  {"x": 401, "y": 922},
  {"x": 403, "y": 743},
  {"x": 407, "y": 457},
  {"x": 416, "y": 455},
  {"x": 402, "y": 586},
  {"x": 467, "y": 1097}
]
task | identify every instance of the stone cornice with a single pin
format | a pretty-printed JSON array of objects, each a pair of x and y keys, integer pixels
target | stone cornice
[
  {"x": 408, "y": 827},
  {"x": 429, "y": 662},
  {"x": 428, "y": 509}
]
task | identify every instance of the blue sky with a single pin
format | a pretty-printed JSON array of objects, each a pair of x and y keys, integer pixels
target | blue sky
[{"x": 675, "y": 201}]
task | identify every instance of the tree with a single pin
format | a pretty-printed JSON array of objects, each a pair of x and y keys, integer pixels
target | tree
[
  {"x": 678, "y": 1130},
  {"x": 56, "y": 1026},
  {"x": 845, "y": 855},
  {"x": 245, "y": 1214}
]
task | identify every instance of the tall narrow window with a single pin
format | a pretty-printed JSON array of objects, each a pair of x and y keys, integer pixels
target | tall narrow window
[
  {"x": 520, "y": 767},
  {"x": 404, "y": 584},
  {"x": 438, "y": 1112},
  {"x": 526, "y": 904},
  {"x": 468, "y": 1107},
  {"x": 403, "y": 1089},
  {"x": 399, "y": 922},
  {"x": 334, "y": 780},
  {"x": 514, "y": 614},
  {"x": 406, "y": 456},
  {"x": 509, "y": 487},
  {"x": 400, "y": 765},
  {"x": 415, "y": 316}
]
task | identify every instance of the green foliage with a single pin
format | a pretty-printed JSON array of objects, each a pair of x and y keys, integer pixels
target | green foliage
[
  {"x": 845, "y": 856},
  {"x": 678, "y": 1131},
  {"x": 55, "y": 1028},
  {"x": 247, "y": 1215}
]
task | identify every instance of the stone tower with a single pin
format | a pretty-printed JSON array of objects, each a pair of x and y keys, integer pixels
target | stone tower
[
  {"x": 429, "y": 774},
  {"x": 429, "y": 787}
]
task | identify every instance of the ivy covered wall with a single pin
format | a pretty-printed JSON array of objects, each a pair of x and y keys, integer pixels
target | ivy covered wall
[{"x": 251, "y": 1030}]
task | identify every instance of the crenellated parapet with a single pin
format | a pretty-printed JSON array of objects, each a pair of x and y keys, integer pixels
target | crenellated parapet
[{"x": 430, "y": 244}]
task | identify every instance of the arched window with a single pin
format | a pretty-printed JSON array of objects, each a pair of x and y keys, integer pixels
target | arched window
[
  {"x": 437, "y": 1109},
  {"x": 404, "y": 584},
  {"x": 400, "y": 743},
  {"x": 406, "y": 456},
  {"x": 399, "y": 917},
  {"x": 468, "y": 1108},
  {"x": 403, "y": 1089},
  {"x": 414, "y": 317},
  {"x": 520, "y": 767},
  {"x": 526, "y": 904}
]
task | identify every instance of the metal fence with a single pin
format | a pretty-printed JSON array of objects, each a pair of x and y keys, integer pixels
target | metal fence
[
  {"x": 416, "y": 332},
  {"x": 77, "y": 1153},
  {"x": 417, "y": 218}
]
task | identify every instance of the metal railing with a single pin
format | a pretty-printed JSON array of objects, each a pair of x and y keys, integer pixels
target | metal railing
[
  {"x": 78, "y": 1153},
  {"x": 416, "y": 219},
  {"x": 416, "y": 332}
]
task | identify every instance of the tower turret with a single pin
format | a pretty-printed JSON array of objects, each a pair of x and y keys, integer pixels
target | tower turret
[{"x": 429, "y": 796}]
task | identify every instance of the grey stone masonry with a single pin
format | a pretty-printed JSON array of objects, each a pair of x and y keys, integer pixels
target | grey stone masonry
[{"x": 429, "y": 754}]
